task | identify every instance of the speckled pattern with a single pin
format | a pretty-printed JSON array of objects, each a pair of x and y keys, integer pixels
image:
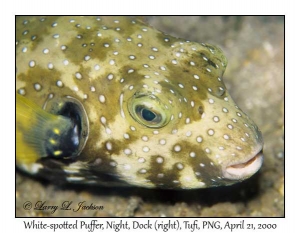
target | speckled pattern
[
  {"x": 254, "y": 48},
  {"x": 154, "y": 111}
]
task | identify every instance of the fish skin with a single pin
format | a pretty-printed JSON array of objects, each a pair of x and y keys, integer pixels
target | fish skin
[{"x": 107, "y": 64}]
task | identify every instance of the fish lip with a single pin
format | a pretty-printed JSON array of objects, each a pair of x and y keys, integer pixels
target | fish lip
[{"x": 242, "y": 171}]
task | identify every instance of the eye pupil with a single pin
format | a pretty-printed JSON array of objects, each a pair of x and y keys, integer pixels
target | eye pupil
[{"x": 148, "y": 115}]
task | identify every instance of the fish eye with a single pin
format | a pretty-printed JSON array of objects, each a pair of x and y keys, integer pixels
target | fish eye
[{"x": 148, "y": 110}]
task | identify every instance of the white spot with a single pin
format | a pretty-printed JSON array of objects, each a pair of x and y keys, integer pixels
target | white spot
[
  {"x": 239, "y": 148},
  {"x": 207, "y": 150},
  {"x": 65, "y": 62},
  {"x": 195, "y": 88},
  {"x": 74, "y": 178},
  {"x": 108, "y": 146},
  {"x": 130, "y": 71},
  {"x": 75, "y": 88},
  {"x": 126, "y": 136},
  {"x": 187, "y": 120},
  {"x": 110, "y": 76},
  {"x": 139, "y": 44},
  {"x": 50, "y": 65},
  {"x": 230, "y": 126},
  {"x": 112, "y": 62},
  {"x": 193, "y": 154},
  {"x": 127, "y": 151},
  {"x": 160, "y": 175},
  {"x": 188, "y": 133},
  {"x": 202, "y": 165},
  {"x": 59, "y": 83},
  {"x": 121, "y": 106},
  {"x": 103, "y": 120},
  {"x": 24, "y": 50},
  {"x": 177, "y": 148},
  {"x": 162, "y": 141},
  {"x": 211, "y": 132},
  {"x": 102, "y": 98},
  {"x": 146, "y": 149},
  {"x": 97, "y": 67},
  {"x": 86, "y": 58},
  {"x": 216, "y": 119},
  {"x": 32, "y": 63},
  {"x": 234, "y": 120},
  {"x": 151, "y": 57},
  {"x": 159, "y": 160},
  {"x": 174, "y": 62},
  {"x": 56, "y": 36},
  {"x": 179, "y": 166},
  {"x": 131, "y": 57},
  {"x": 127, "y": 166},
  {"x": 196, "y": 76},
  {"x": 239, "y": 114},
  {"x": 21, "y": 91},
  {"x": 180, "y": 85},
  {"x": 78, "y": 75},
  {"x": 145, "y": 138},
  {"x": 93, "y": 89},
  {"x": 113, "y": 164},
  {"x": 132, "y": 128},
  {"x": 108, "y": 130},
  {"x": 155, "y": 132},
  {"x": 154, "y": 49},
  {"x": 225, "y": 110},
  {"x": 211, "y": 101},
  {"x": 106, "y": 45},
  {"x": 199, "y": 139},
  {"x": 192, "y": 63},
  {"x": 162, "y": 68},
  {"x": 37, "y": 87},
  {"x": 63, "y": 47},
  {"x": 143, "y": 171},
  {"x": 141, "y": 160},
  {"x": 226, "y": 137},
  {"x": 45, "y": 51}
]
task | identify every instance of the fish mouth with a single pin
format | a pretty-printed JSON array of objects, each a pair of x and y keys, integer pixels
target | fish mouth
[{"x": 241, "y": 171}]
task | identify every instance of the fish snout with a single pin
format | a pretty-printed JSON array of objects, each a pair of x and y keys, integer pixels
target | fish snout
[{"x": 244, "y": 169}]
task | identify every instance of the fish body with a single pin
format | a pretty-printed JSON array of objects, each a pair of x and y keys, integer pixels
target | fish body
[{"x": 111, "y": 100}]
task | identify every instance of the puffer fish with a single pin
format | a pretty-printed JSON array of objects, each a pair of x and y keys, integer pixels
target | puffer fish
[{"x": 112, "y": 101}]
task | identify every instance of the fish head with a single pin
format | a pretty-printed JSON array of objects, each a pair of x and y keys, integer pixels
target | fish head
[{"x": 183, "y": 130}]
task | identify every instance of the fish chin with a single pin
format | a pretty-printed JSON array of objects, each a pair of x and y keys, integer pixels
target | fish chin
[{"x": 242, "y": 171}]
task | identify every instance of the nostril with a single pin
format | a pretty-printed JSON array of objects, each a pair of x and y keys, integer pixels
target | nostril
[{"x": 200, "y": 110}]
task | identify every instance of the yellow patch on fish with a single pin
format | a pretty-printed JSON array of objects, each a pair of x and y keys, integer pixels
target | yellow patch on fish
[{"x": 110, "y": 100}]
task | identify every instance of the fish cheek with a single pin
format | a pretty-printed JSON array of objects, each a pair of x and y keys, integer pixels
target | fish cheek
[{"x": 160, "y": 176}]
